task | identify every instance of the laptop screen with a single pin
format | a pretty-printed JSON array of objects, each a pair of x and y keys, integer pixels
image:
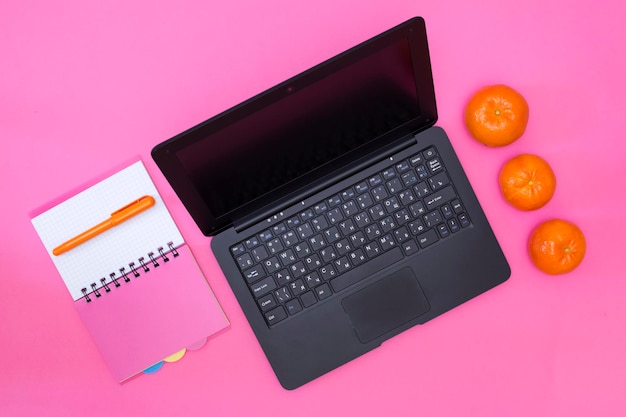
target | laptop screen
[{"x": 307, "y": 127}]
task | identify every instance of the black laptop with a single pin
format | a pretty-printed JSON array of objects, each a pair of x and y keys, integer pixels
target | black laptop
[{"x": 341, "y": 216}]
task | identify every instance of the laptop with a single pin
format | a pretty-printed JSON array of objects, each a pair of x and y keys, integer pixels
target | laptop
[{"x": 340, "y": 214}]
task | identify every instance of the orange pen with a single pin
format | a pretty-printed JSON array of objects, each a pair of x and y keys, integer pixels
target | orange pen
[{"x": 117, "y": 217}]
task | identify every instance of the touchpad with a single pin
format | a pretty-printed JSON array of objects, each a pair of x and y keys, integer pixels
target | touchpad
[{"x": 385, "y": 305}]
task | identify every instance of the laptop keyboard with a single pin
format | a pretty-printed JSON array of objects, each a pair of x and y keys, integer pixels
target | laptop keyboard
[{"x": 321, "y": 251}]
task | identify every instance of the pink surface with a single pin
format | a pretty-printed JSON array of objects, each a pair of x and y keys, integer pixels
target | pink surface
[{"x": 87, "y": 85}]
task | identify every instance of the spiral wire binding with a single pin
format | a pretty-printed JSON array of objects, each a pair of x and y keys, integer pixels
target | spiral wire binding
[{"x": 104, "y": 286}]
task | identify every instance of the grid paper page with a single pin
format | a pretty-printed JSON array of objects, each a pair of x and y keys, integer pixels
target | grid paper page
[{"x": 115, "y": 248}]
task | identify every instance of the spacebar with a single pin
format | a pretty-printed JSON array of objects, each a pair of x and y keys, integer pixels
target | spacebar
[{"x": 363, "y": 271}]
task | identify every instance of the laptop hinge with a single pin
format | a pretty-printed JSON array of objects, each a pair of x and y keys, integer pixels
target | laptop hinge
[{"x": 266, "y": 213}]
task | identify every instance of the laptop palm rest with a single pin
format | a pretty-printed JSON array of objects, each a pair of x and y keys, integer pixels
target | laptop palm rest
[{"x": 385, "y": 305}]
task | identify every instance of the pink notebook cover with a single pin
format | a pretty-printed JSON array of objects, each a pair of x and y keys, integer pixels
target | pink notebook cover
[{"x": 137, "y": 320}]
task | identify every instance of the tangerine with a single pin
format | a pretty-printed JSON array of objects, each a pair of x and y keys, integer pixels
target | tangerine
[
  {"x": 557, "y": 246},
  {"x": 496, "y": 115},
  {"x": 527, "y": 182}
]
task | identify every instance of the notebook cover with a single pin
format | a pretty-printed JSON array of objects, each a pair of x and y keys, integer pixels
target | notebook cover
[{"x": 136, "y": 320}]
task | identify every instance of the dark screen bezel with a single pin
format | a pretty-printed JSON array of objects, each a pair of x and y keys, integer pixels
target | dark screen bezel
[{"x": 165, "y": 154}]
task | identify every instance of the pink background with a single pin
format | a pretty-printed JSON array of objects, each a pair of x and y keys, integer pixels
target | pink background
[{"x": 85, "y": 85}]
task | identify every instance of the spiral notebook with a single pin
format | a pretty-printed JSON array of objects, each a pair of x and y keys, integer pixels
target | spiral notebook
[{"x": 135, "y": 285}]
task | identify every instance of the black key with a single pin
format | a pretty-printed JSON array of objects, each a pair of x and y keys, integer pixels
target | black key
[
  {"x": 348, "y": 194},
  {"x": 372, "y": 249},
  {"x": 434, "y": 165},
  {"x": 391, "y": 204},
  {"x": 317, "y": 242},
  {"x": 406, "y": 197},
  {"x": 388, "y": 173},
  {"x": 347, "y": 227},
  {"x": 387, "y": 242},
  {"x": 266, "y": 303},
  {"x": 456, "y": 206},
  {"x": 259, "y": 253},
  {"x": 430, "y": 153},
  {"x": 343, "y": 247},
  {"x": 302, "y": 249},
  {"x": 427, "y": 239},
  {"x": 402, "y": 167},
  {"x": 379, "y": 193},
  {"x": 453, "y": 224},
  {"x": 409, "y": 178},
  {"x": 361, "y": 187},
  {"x": 287, "y": 257},
  {"x": 320, "y": 207},
  {"x": 272, "y": 264},
  {"x": 375, "y": 181},
  {"x": 357, "y": 257},
  {"x": 349, "y": 208},
  {"x": 245, "y": 261},
  {"x": 447, "y": 211},
  {"x": 252, "y": 242},
  {"x": 402, "y": 216},
  {"x": 422, "y": 189},
  {"x": 387, "y": 224},
  {"x": 332, "y": 234},
  {"x": 279, "y": 229},
  {"x": 416, "y": 159},
  {"x": 323, "y": 291},
  {"x": 298, "y": 269},
  {"x": 358, "y": 239},
  {"x": 362, "y": 220},
  {"x": 422, "y": 172},
  {"x": 394, "y": 186},
  {"x": 307, "y": 215},
  {"x": 266, "y": 235},
  {"x": 293, "y": 306},
  {"x": 312, "y": 280},
  {"x": 319, "y": 223},
  {"x": 328, "y": 272},
  {"x": 443, "y": 230},
  {"x": 293, "y": 222},
  {"x": 372, "y": 231},
  {"x": 282, "y": 295},
  {"x": 439, "y": 197},
  {"x": 312, "y": 262},
  {"x": 409, "y": 247},
  {"x": 328, "y": 254},
  {"x": 254, "y": 273},
  {"x": 334, "y": 215},
  {"x": 432, "y": 219},
  {"x": 373, "y": 265},
  {"x": 289, "y": 238},
  {"x": 364, "y": 200},
  {"x": 308, "y": 299},
  {"x": 402, "y": 234},
  {"x": 342, "y": 264},
  {"x": 417, "y": 226},
  {"x": 237, "y": 250},
  {"x": 377, "y": 212},
  {"x": 275, "y": 246},
  {"x": 464, "y": 220},
  {"x": 417, "y": 209},
  {"x": 297, "y": 287},
  {"x": 438, "y": 181},
  {"x": 305, "y": 230},
  {"x": 283, "y": 277},
  {"x": 334, "y": 201},
  {"x": 275, "y": 315},
  {"x": 263, "y": 287}
]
